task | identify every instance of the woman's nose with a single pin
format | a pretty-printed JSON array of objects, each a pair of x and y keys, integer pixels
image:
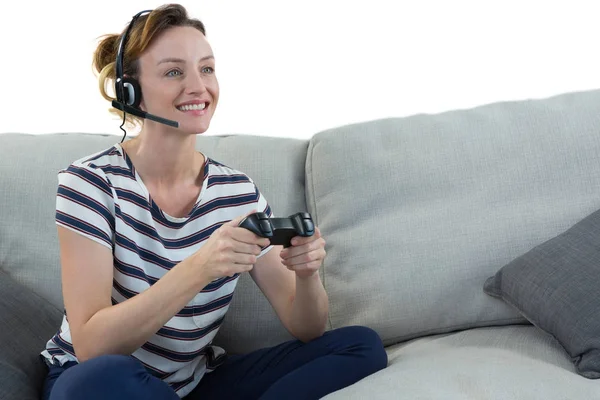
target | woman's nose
[{"x": 195, "y": 83}]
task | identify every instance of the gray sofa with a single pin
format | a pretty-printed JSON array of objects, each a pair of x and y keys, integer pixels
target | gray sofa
[{"x": 418, "y": 212}]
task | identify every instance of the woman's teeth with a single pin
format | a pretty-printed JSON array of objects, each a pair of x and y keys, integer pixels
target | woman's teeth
[{"x": 189, "y": 107}]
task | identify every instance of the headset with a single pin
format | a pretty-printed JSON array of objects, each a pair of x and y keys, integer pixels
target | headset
[{"x": 128, "y": 90}]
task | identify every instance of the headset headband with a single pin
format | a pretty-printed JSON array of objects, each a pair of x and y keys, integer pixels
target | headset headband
[
  {"x": 130, "y": 103},
  {"x": 119, "y": 66}
]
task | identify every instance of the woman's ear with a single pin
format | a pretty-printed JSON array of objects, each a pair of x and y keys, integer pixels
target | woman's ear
[{"x": 139, "y": 103}]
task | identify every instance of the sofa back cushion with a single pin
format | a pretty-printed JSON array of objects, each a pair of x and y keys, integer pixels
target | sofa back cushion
[
  {"x": 28, "y": 242},
  {"x": 418, "y": 212}
]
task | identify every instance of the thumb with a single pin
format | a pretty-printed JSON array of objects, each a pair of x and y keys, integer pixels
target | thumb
[{"x": 236, "y": 221}]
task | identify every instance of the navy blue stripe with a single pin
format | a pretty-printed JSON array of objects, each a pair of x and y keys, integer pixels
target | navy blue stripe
[
  {"x": 100, "y": 155},
  {"x": 116, "y": 170},
  {"x": 205, "y": 308},
  {"x": 88, "y": 202},
  {"x": 173, "y": 355},
  {"x": 218, "y": 203},
  {"x": 216, "y": 285},
  {"x": 133, "y": 271},
  {"x": 140, "y": 227},
  {"x": 228, "y": 201},
  {"x": 170, "y": 355},
  {"x": 82, "y": 226},
  {"x": 143, "y": 253},
  {"x": 63, "y": 345},
  {"x": 227, "y": 179},
  {"x": 181, "y": 243},
  {"x": 123, "y": 291},
  {"x": 191, "y": 334},
  {"x": 133, "y": 197},
  {"x": 268, "y": 211},
  {"x": 178, "y": 385},
  {"x": 89, "y": 177}
]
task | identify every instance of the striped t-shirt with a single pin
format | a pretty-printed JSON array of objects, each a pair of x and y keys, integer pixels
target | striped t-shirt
[{"x": 103, "y": 198}]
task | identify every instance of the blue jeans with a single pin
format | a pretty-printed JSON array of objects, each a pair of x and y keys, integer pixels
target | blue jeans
[{"x": 291, "y": 370}]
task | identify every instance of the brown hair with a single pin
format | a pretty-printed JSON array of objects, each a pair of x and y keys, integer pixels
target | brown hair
[{"x": 145, "y": 29}]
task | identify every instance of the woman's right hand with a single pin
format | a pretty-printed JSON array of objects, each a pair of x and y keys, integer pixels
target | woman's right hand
[{"x": 229, "y": 250}]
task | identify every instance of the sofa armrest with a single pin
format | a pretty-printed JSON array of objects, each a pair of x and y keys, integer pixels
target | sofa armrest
[{"x": 27, "y": 322}]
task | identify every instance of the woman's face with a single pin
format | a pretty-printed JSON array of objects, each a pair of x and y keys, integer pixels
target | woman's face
[{"x": 177, "y": 77}]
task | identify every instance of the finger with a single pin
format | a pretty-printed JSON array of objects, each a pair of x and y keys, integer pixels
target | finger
[
  {"x": 300, "y": 240},
  {"x": 302, "y": 249},
  {"x": 245, "y": 236},
  {"x": 243, "y": 259},
  {"x": 311, "y": 266},
  {"x": 247, "y": 248},
  {"x": 304, "y": 258}
]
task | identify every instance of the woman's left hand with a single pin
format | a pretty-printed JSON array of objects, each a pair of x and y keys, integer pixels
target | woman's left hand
[{"x": 305, "y": 255}]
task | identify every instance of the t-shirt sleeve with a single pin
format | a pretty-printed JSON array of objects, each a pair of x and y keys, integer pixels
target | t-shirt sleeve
[{"x": 85, "y": 203}]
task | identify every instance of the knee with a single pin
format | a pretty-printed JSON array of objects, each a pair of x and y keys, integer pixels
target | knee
[
  {"x": 368, "y": 344},
  {"x": 111, "y": 365},
  {"x": 100, "y": 372}
]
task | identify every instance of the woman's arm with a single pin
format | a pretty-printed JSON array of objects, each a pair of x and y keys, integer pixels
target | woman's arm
[
  {"x": 98, "y": 327},
  {"x": 289, "y": 279}
]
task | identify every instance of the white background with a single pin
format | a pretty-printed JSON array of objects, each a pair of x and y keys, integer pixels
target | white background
[{"x": 292, "y": 68}]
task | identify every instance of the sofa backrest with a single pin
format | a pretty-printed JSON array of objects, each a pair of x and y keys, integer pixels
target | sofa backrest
[
  {"x": 28, "y": 240},
  {"x": 418, "y": 212}
]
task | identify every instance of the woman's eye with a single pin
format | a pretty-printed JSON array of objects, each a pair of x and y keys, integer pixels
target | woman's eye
[
  {"x": 174, "y": 72},
  {"x": 208, "y": 70}
]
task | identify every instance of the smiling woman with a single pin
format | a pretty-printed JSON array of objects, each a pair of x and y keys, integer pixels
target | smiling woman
[
  {"x": 147, "y": 66},
  {"x": 151, "y": 249}
]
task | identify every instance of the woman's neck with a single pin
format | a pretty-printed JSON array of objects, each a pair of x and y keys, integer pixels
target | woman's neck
[{"x": 165, "y": 160}]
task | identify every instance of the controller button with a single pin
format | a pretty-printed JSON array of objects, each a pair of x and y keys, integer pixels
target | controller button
[
  {"x": 309, "y": 226},
  {"x": 265, "y": 226}
]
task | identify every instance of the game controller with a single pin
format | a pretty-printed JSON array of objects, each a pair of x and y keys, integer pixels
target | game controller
[{"x": 279, "y": 231}]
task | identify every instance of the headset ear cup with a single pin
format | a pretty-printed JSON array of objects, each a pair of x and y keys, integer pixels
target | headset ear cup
[{"x": 133, "y": 92}]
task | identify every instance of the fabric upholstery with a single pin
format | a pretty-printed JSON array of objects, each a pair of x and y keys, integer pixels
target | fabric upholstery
[
  {"x": 419, "y": 211},
  {"x": 496, "y": 363}
]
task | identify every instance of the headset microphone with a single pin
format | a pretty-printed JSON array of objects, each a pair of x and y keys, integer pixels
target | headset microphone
[
  {"x": 144, "y": 114},
  {"x": 128, "y": 90}
]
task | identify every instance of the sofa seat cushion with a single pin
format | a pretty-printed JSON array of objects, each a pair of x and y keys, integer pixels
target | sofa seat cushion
[{"x": 518, "y": 362}]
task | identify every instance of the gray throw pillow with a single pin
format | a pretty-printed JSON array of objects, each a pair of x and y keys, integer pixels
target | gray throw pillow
[
  {"x": 27, "y": 322},
  {"x": 556, "y": 286}
]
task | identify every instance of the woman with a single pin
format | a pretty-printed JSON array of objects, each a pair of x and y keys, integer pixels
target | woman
[{"x": 151, "y": 251}]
